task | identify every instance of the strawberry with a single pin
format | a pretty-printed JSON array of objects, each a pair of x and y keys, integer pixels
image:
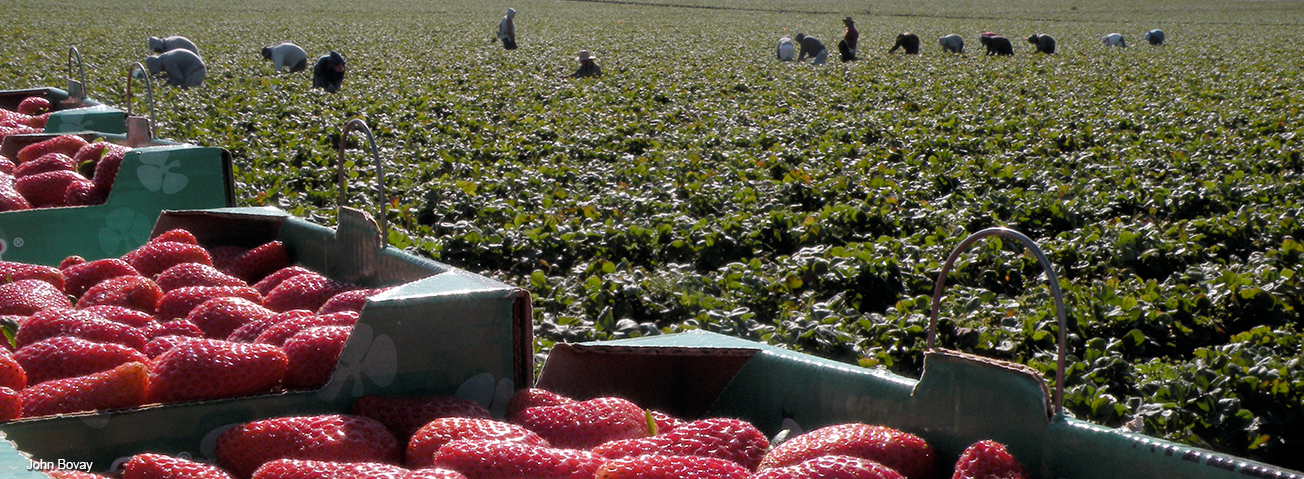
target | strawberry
[
  {"x": 352, "y": 300},
  {"x": 479, "y": 459},
  {"x": 159, "y": 466},
  {"x": 405, "y": 415},
  {"x": 47, "y": 190},
  {"x": 225, "y": 255},
  {"x": 11, "y": 271},
  {"x": 7, "y": 165},
  {"x": 66, "y": 144},
  {"x": 585, "y": 424},
  {"x": 82, "y": 193},
  {"x": 665, "y": 422},
  {"x": 831, "y": 467},
  {"x": 176, "y": 327},
  {"x": 305, "y": 291},
  {"x": 179, "y": 302},
  {"x": 331, "y": 437},
  {"x": 50, "y": 162},
  {"x": 732, "y": 439},
  {"x": 12, "y": 375},
  {"x": 671, "y": 467},
  {"x": 267, "y": 284},
  {"x": 427, "y": 440},
  {"x": 37, "y": 122},
  {"x": 117, "y": 388},
  {"x": 73, "y": 474},
  {"x": 135, "y": 292},
  {"x": 88, "y": 155},
  {"x": 54, "y": 322},
  {"x": 904, "y": 452},
  {"x": 175, "y": 235},
  {"x": 532, "y": 397},
  {"x": 83, "y": 276},
  {"x": 11, "y": 404},
  {"x": 218, "y": 317},
  {"x": 34, "y": 105},
  {"x": 213, "y": 369},
  {"x": 261, "y": 261},
  {"x": 65, "y": 357},
  {"x": 106, "y": 169},
  {"x": 27, "y": 296},
  {"x": 313, "y": 353},
  {"x": 162, "y": 344},
  {"x": 309, "y": 469},
  {"x": 71, "y": 261},
  {"x": 278, "y": 333},
  {"x": 10, "y": 198},
  {"x": 121, "y": 314},
  {"x": 249, "y": 332},
  {"x": 988, "y": 460},
  {"x": 195, "y": 274},
  {"x": 153, "y": 258},
  {"x": 433, "y": 473}
]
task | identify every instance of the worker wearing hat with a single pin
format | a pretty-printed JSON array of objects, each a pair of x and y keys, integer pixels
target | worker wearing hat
[
  {"x": 588, "y": 66},
  {"x": 847, "y": 47}
]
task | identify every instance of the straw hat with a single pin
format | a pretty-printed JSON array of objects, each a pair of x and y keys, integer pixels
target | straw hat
[
  {"x": 584, "y": 55},
  {"x": 511, "y": 12},
  {"x": 848, "y": 20}
]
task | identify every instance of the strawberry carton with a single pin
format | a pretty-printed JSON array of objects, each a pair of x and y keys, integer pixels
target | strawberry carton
[
  {"x": 64, "y": 111},
  {"x": 434, "y": 330},
  {"x": 155, "y": 175}
]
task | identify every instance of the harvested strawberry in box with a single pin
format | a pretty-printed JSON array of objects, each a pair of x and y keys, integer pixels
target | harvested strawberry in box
[
  {"x": 906, "y": 453},
  {"x": 332, "y": 437},
  {"x": 65, "y": 170}
]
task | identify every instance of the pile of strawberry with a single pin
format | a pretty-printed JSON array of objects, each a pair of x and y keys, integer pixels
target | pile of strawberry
[
  {"x": 52, "y": 173},
  {"x": 548, "y": 436},
  {"x": 170, "y": 321},
  {"x": 32, "y": 113}
]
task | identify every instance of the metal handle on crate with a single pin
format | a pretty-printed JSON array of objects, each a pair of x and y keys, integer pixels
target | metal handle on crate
[
  {"x": 1054, "y": 291},
  {"x": 77, "y": 88},
  {"x": 149, "y": 95},
  {"x": 380, "y": 174}
]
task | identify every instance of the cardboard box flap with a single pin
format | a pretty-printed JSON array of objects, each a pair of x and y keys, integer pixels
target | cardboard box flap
[{"x": 99, "y": 118}]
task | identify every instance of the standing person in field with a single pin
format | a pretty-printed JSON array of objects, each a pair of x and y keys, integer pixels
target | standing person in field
[
  {"x": 812, "y": 47},
  {"x": 286, "y": 55},
  {"x": 507, "y": 29},
  {"x": 588, "y": 66},
  {"x": 847, "y": 47}
]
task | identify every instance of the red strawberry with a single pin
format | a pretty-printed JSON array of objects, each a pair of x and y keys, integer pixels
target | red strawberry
[
  {"x": 179, "y": 302},
  {"x": 50, "y": 162},
  {"x": 82, "y": 193},
  {"x": 309, "y": 469},
  {"x": 37, "y": 122},
  {"x": 347, "y": 301},
  {"x": 12, "y": 375},
  {"x": 106, "y": 169},
  {"x": 83, "y": 276},
  {"x": 261, "y": 261},
  {"x": 54, "y": 322},
  {"x": 27, "y": 296},
  {"x": 278, "y": 333},
  {"x": 313, "y": 353},
  {"x": 175, "y": 235},
  {"x": 11, "y": 271},
  {"x": 7, "y": 165},
  {"x": 176, "y": 327},
  {"x": 195, "y": 274},
  {"x": 71, "y": 261},
  {"x": 267, "y": 284},
  {"x": 249, "y": 332},
  {"x": 73, "y": 474},
  {"x": 434, "y": 473},
  {"x": 214, "y": 369},
  {"x": 10, "y": 198},
  {"x": 159, "y": 466},
  {"x": 731, "y": 439},
  {"x": 988, "y": 460},
  {"x": 332, "y": 437},
  {"x": 88, "y": 155},
  {"x": 404, "y": 415},
  {"x": 117, "y": 388},
  {"x": 532, "y": 397},
  {"x": 831, "y": 467},
  {"x": 121, "y": 314},
  {"x": 135, "y": 292},
  {"x": 225, "y": 255},
  {"x": 219, "y": 317},
  {"x": 66, "y": 144},
  {"x": 429, "y": 438},
  {"x": 34, "y": 105},
  {"x": 478, "y": 459},
  {"x": 153, "y": 258},
  {"x": 11, "y": 404},
  {"x": 585, "y": 424},
  {"x": 904, "y": 452},
  {"x": 671, "y": 467},
  {"x": 47, "y": 190},
  {"x": 65, "y": 357},
  {"x": 665, "y": 422},
  {"x": 162, "y": 344},
  {"x": 305, "y": 291}
]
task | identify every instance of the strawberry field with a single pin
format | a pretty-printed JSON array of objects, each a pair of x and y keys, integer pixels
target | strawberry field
[{"x": 702, "y": 184}]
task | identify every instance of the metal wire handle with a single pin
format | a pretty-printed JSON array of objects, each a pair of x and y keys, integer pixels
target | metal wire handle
[
  {"x": 381, "y": 198},
  {"x": 149, "y": 89},
  {"x": 1054, "y": 291},
  {"x": 81, "y": 71}
]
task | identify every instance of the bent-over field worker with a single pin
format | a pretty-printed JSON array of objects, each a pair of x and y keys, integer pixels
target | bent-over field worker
[
  {"x": 286, "y": 55},
  {"x": 183, "y": 67}
]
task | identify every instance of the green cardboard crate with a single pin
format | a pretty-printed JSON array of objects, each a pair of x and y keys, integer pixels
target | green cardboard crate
[
  {"x": 441, "y": 331},
  {"x": 163, "y": 175},
  {"x": 958, "y": 400},
  {"x": 70, "y": 114}
]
